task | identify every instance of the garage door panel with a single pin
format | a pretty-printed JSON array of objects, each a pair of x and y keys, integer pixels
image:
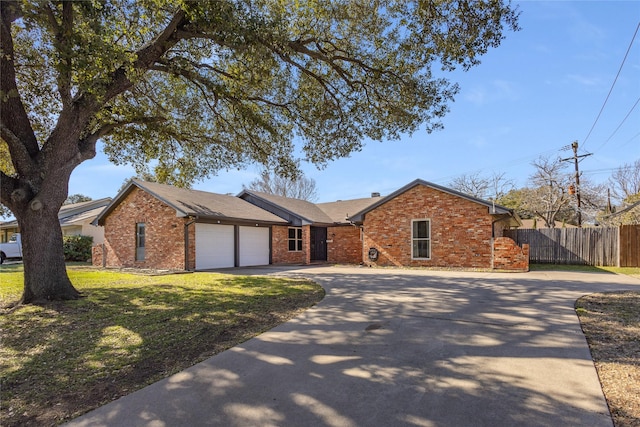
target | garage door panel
[
  {"x": 254, "y": 246},
  {"x": 214, "y": 246}
]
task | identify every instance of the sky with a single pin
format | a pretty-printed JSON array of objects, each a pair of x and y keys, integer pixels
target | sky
[{"x": 544, "y": 87}]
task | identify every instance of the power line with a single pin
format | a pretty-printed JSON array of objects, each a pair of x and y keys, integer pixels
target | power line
[
  {"x": 612, "y": 85},
  {"x": 620, "y": 125}
]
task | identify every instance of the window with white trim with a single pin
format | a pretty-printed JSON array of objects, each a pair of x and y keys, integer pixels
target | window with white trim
[
  {"x": 421, "y": 239},
  {"x": 295, "y": 239}
]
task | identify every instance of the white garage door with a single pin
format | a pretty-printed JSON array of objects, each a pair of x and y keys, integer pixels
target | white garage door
[
  {"x": 254, "y": 246},
  {"x": 214, "y": 246}
]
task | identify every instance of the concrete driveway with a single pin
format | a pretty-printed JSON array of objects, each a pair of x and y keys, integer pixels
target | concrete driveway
[{"x": 398, "y": 348}]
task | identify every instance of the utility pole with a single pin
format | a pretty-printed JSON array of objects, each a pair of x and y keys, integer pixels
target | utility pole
[{"x": 575, "y": 159}]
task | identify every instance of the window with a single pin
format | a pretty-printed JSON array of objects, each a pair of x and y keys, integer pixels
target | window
[
  {"x": 421, "y": 239},
  {"x": 140, "y": 241},
  {"x": 295, "y": 239}
]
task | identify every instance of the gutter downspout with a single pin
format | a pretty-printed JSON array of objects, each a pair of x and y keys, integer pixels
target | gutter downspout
[{"x": 186, "y": 241}]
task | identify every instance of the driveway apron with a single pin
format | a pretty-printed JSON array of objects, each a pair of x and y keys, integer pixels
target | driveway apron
[{"x": 393, "y": 347}]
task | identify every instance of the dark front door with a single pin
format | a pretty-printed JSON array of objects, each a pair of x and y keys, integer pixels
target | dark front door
[{"x": 318, "y": 243}]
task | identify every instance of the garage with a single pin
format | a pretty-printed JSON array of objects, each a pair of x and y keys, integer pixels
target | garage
[
  {"x": 214, "y": 246},
  {"x": 253, "y": 246}
]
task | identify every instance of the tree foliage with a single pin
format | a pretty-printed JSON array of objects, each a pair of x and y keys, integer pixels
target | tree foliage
[
  {"x": 193, "y": 87},
  {"x": 299, "y": 187},
  {"x": 77, "y": 198}
]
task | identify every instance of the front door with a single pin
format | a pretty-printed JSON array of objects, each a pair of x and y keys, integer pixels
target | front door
[{"x": 318, "y": 243}]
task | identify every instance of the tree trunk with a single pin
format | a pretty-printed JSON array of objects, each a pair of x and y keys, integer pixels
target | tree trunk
[{"x": 45, "y": 272}]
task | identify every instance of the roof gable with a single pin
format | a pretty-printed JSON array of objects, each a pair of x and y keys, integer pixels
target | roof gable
[
  {"x": 195, "y": 203},
  {"x": 297, "y": 211},
  {"x": 492, "y": 207}
]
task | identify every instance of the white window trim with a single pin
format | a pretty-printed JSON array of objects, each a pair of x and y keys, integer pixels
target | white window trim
[
  {"x": 296, "y": 239},
  {"x": 421, "y": 238}
]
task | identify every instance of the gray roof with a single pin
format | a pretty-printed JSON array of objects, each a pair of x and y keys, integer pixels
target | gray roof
[
  {"x": 301, "y": 212},
  {"x": 72, "y": 213},
  {"x": 194, "y": 203},
  {"x": 81, "y": 217},
  {"x": 297, "y": 211},
  {"x": 341, "y": 210},
  {"x": 493, "y": 208}
]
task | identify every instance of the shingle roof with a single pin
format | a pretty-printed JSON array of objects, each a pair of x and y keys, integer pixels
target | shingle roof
[
  {"x": 69, "y": 214},
  {"x": 288, "y": 208},
  {"x": 201, "y": 204},
  {"x": 81, "y": 217},
  {"x": 341, "y": 210}
]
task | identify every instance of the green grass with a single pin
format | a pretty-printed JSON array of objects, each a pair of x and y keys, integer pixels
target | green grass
[
  {"x": 60, "y": 360},
  {"x": 629, "y": 271}
]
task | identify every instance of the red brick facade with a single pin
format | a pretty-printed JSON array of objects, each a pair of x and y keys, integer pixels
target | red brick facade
[
  {"x": 460, "y": 236},
  {"x": 344, "y": 245},
  {"x": 280, "y": 253},
  {"x": 507, "y": 255},
  {"x": 164, "y": 234}
]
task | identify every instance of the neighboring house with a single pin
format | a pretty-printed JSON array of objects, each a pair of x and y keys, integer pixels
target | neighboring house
[
  {"x": 152, "y": 225},
  {"x": 75, "y": 219}
]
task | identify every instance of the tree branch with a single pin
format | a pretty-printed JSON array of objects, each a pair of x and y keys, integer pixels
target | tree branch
[
  {"x": 148, "y": 55},
  {"x": 107, "y": 128},
  {"x": 63, "y": 33},
  {"x": 13, "y": 116},
  {"x": 7, "y": 185}
]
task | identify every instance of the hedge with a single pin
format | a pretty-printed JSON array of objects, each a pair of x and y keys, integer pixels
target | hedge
[{"x": 77, "y": 248}]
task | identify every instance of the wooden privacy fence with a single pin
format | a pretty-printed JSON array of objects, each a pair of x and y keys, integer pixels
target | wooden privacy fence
[
  {"x": 630, "y": 246},
  {"x": 605, "y": 246}
]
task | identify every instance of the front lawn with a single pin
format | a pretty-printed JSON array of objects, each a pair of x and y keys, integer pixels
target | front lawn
[{"x": 63, "y": 359}]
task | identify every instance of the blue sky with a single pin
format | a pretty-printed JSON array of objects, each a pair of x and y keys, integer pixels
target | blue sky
[{"x": 539, "y": 91}]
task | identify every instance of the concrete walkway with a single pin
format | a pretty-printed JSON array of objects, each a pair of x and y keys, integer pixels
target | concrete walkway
[{"x": 398, "y": 348}]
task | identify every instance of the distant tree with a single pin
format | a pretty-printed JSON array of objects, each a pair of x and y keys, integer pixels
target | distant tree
[
  {"x": 551, "y": 197},
  {"x": 299, "y": 187},
  {"x": 515, "y": 199},
  {"x": 625, "y": 181},
  {"x": 77, "y": 198},
  {"x": 203, "y": 86},
  {"x": 491, "y": 187},
  {"x": 548, "y": 196},
  {"x": 149, "y": 176}
]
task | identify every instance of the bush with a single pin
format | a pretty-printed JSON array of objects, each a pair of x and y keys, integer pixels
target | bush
[{"x": 77, "y": 248}]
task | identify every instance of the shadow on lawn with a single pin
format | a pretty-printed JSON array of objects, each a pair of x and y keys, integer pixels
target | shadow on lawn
[
  {"x": 399, "y": 348},
  {"x": 77, "y": 355}
]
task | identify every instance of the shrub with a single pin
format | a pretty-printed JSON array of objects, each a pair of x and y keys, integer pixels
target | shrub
[{"x": 77, "y": 248}]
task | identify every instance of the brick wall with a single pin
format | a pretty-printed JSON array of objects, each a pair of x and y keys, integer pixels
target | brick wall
[
  {"x": 164, "y": 234},
  {"x": 345, "y": 245},
  {"x": 460, "y": 230},
  {"x": 280, "y": 253},
  {"x": 507, "y": 255}
]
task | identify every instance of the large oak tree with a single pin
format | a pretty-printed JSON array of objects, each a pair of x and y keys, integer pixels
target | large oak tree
[{"x": 194, "y": 87}]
